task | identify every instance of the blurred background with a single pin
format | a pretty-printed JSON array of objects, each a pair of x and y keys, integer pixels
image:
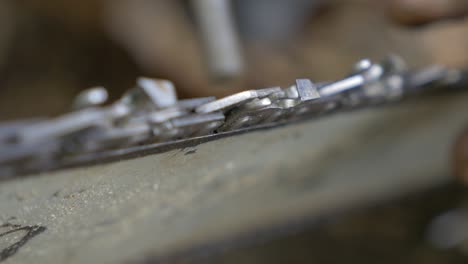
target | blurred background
[{"x": 52, "y": 49}]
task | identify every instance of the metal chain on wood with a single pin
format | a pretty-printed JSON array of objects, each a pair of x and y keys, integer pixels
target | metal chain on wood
[{"x": 151, "y": 113}]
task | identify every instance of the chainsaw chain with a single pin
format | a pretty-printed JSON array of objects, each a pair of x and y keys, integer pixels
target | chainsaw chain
[{"x": 151, "y": 113}]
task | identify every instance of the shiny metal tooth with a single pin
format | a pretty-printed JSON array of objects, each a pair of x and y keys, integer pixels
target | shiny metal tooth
[
  {"x": 307, "y": 90},
  {"x": 304, "y": 99},
  {"x": 150, "y": 93},
  {"x": 90, "y": 98},
  {"x": 371, "y": 74},
  {"x": 272, "y": 108},
  {"x": 234, "y": 100}
]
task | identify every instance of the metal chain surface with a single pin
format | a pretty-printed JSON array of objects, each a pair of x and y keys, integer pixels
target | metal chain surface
[{"x": 151, "y": 113}]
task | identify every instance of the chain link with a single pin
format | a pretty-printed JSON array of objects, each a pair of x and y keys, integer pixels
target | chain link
[{"x": 150, "y": 113}]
